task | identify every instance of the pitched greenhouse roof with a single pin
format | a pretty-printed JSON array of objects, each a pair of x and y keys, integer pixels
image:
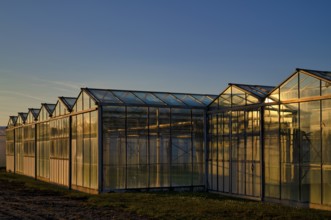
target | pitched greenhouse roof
[
  {"x": 23, "y": 115},
  {"x": 49, "y": 107},
  {"x": 35, "y": 112},
  {"x": 68, "y": 101},
  {"x": 320, "y": 74},
  {"x": 12, "y": 120},
  {"x": 144, "y": 98},
  {"x": 257, "y": 90}
]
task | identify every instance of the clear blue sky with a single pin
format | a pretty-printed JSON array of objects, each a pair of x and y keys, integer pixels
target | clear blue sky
[{"x": 52, "y": 48}]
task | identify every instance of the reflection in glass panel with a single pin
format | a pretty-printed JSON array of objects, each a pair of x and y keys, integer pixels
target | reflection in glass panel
[
  {"x": 310, "y": 133},
  {"x": 205, "y": 99},
  {"x": 309, "y": 86},
  {"x": 289, "y": 90},
  {"x": 189, "y": 100},
  {"x": 251, "y": 99},
  {"x": 181, "y": 147},
  {"x": 137, "y": 147},
  {"x": 238, "y": 96},
  {"x": 159, "y": 125},
  {"x": 311, "y": 184},
  {"x": 114, "y": 146},
  {"x": 225, "y": 98},
  {"x": 127, "y": 97},
  {"x": 169, "y": 99},
  {"x": 104, "y": 96},
  {"x": 289, "y": 119},
  {"x": 271, "y": 151},
  {"x": 149, "y": 98},
  {"x": 326, "y": 131}
]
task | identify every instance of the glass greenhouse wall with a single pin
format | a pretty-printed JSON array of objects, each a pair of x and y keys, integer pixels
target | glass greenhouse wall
[
  {"x": 235, "y": 140},
  {"x": 298, "y": 138},
  {"x": 259, "y": 142}
]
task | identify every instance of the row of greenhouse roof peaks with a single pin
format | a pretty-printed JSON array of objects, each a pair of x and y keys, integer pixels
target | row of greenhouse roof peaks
[{"x": 154, "y": 99}]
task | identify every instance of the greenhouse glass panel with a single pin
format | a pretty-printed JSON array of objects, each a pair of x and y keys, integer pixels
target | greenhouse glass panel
[
  {"x": 251, "y": 100},
  {"x": 311, "y": 184},
  {"x": 170, "y": 99},
  {"x": 127, "y": 97},
  {"x": 326, "y": 150},
  {"x": 68, "y": 101},
  {"x": 114, "y": 147},
  {"x": 137, "y": 147},
  {"x": 149, "y": 98},
  {"x": 205, "y": 99},
  {"x": 189, "y": 100},
  {"x": 271, "y": 151},
  {"x": 225, "y": 98},
  {"x": 10, "y": 146},
  {"x": 94, "y": 149},
  {"x": 326, "y": 184},
  {"x": 181, "y": 147},
  {"x": 29, "y": 150},
  {"x": 289, "y": 118},
  {"x": 309, "y": 86},
  {"x": 238, "y": 97},
  {"x": 74, "y": 150},
  {"x": 273, "y": 97},
  {"x": 214, "y": 105},
  {"x": 105, "y": 96},
  {"x": 289, "y": 90},
  {"x": 310, "y": 137},
  {"x": 160, "y": 148}
]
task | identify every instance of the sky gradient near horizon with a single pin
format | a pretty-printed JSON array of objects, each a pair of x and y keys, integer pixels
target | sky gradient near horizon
[{"x": 53, "y": 48}]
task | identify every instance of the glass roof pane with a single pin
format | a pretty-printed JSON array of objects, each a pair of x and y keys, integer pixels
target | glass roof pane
[
  {"x": 70, "y": 102},
  {"x": 169, "y": 99},
  {"x": 50, "y": 108},
  {"x": 149, "y": 98},
  {"x": 35, "y": 112},
  {"x": 127, "y": 97},
  {"x": 205, "y": 99},
  {"x": 189, "y": 100},
  {"x": 104, "y": 96},
  {"x": 323, "y": 74}
]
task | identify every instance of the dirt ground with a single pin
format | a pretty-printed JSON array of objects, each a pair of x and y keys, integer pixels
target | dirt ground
[{"x": 18, "y": 202}]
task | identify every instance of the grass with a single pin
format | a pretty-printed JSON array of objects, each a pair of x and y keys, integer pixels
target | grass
[{"x": 175, "y": 205}]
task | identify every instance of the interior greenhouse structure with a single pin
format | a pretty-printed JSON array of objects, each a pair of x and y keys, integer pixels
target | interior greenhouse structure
[{"x": 258, "y": 142}]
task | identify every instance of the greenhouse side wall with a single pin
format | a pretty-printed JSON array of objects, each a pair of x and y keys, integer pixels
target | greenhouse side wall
[
  {"x": 85, "y": 152},
  {"x": 148, "y": 147},
  {"x": 10, "y": 146}
]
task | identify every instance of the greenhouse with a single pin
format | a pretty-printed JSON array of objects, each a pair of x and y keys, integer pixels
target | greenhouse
[
  {"x": 108, "y": 140},
  {"x": 258, "y": 142}
]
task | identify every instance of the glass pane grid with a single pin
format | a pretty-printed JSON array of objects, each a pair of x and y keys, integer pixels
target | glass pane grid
[
  {"x": 189, "y": 100},
  {"x": 127, "y": 97},
  {"x": 149, "y": 98}
]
